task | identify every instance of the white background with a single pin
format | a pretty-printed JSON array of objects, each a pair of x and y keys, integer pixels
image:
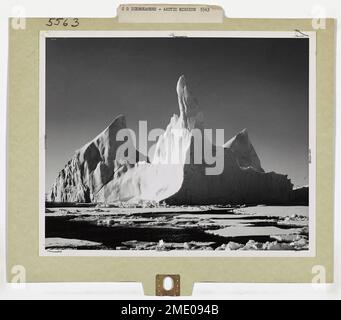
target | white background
[{"x": 107, "y": 8}]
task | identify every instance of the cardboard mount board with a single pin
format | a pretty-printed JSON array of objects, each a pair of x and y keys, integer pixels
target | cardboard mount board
[{"x": 23, "y": 204}]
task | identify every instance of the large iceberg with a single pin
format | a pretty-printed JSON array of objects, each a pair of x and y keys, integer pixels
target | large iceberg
[{"x": 99, "y": 172}]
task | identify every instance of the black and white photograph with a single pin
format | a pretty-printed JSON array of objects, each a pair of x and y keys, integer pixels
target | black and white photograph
[{"x": 171, "y": 143}]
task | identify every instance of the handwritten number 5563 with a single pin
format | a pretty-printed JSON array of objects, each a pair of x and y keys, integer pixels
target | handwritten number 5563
[{"x": 63, "y": 21}]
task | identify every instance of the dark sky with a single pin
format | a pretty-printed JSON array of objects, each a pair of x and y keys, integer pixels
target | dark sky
[{"x": 258, "y": 84}]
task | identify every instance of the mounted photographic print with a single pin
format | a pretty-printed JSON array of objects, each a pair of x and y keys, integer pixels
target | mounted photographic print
[
  {"x": 187, "y": 145},
  {"x": 177, "y": 143}
]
